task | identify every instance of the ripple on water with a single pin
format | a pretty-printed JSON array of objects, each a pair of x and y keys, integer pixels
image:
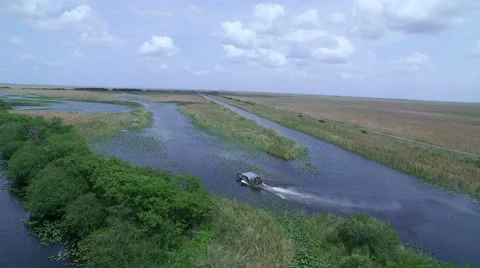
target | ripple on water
[{"x": 330, "y": 180}]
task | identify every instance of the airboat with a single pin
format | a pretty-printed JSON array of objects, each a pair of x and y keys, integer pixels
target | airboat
[{"x": 250, "y": 179}]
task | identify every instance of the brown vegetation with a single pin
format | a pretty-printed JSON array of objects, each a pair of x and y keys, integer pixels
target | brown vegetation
[
  {"x": 452, "y": 125},
  {"x": 437, "y": 166}
]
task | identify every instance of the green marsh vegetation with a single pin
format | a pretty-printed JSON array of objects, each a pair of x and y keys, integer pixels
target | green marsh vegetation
[
  {"x": 224, "y": 122},
  {"x": 109, "y": 213},
  {"x": 434, "y": 166},
  {"x": 96, "y": 125}
]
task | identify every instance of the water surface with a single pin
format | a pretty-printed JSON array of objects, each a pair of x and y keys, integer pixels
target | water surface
[
  {"x": 330, "y": 180},
  {"x": 18, "y": 249}
]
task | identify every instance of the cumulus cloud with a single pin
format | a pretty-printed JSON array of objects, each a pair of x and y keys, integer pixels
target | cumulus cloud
[
  {"x": 309, "y": 18},
  {"x": 237, "y": 35},
  {"x": 282, "y": 39},
  {"x": 67, "y": 18},
  {"x": 99, "y": 38},
  {"x": 159, "y": 46},
  {"x": 475, "y": 52},
  {"x": 374, "y": 17},
  {"x": 16, "y": 40},
  {"x": 266, "y": 14},
  {"x": 413, "y": 63}
]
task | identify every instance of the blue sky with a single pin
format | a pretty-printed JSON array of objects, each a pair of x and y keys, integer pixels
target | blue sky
[{"x": 427, "y": 49}]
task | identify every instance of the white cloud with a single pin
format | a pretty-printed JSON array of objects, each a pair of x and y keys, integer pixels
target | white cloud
[
  {"x": 31, "y": 7},
  {"x": 237, "y": 35},
  {"x": 308, "y": 19},
  {"x": 475, "y": 52},
  {"x": 79, "y": 55},
  {"x": 159, "y": 45},
  {"x": 16, "y": 40},
  {"x": 266, "y": 14},
  {"x": 295, "y": 39},
  {"x": 100, "y": 38},
  {"x": 374, "y": 17},
  {"x": 67, "y": 18},
  {"x": 337, "y": 17},
  {"x": 413, "y": 63}
]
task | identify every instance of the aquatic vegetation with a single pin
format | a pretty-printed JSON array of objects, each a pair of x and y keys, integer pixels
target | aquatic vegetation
[
  {"x": 72, "y": 94},
  {"x": 437, "y": 167},
  {"x": 97, "y": 125},
  {"x": 358, "y": 241},
  {"x": 112, "y": 214},
  {"x": 226, "y": 123}
]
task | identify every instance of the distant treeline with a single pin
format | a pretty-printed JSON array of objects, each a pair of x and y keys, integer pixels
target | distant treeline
[{"x": 103, "y": 89}]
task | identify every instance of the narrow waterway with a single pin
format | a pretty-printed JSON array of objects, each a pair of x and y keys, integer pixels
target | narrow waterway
[
  {"x": 330, "y": 180},
  {"x": 19, "y": 249}
]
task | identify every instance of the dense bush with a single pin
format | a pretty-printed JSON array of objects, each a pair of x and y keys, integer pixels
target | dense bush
[
  {"x": 84, "y": 215},
  {"x": 62, "y": 189},
  {"x": 114, "y": 214},
  {"x": 360, "y": 232}
]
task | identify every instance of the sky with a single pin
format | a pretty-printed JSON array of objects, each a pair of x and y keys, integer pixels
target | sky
[{"x": 410, "y": 49}]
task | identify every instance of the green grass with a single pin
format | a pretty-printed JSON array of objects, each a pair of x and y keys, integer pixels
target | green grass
[
  {"x": 97, "y": 125},
  {"x": 358, "y": 241},
  {"x": 224, "y": 122},
  {"x": 109, "y": 213},
  {"x": 248, "y": 237},
  {"x": 24, "y": 102},
  {"x": 435, "y": 167}
]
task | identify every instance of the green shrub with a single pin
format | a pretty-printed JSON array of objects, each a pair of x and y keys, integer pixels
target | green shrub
[
  {"x": 124, "y": 244},
  {"x": 84, "y": 215},
  {"x": 26, "y": 163},
  {"x": 359, "y": 232},
  {"x": 51, "y": 191},
  {"x": 355, "y": 261}
]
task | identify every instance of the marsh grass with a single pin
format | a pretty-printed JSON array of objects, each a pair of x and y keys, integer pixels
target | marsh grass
[
  {"x": 248, "y": 237},
  {"x": 96, "y": 125},
  {"x": 24, "y": 102},
  {"x": 71, "y": 94},
  {"x": 224, "y": 122},
  {"x": 325, "y": 240},
  {"x": 180, "y": 98},
  {"x": 436, "y": 167}
]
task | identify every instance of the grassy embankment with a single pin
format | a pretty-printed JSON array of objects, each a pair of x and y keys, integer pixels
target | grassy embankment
[
  {"x": 76, "y": 95},
  {"x": 111, "y": 214},
  {"x": 88, "y": 125},
  {"x": 96, "y": 125},
  {"x": 437, "y": 167},
  {"x": 223, "y": 122}
]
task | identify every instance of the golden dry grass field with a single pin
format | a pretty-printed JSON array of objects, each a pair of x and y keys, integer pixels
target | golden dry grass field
[{"x": 451, "y": 125}]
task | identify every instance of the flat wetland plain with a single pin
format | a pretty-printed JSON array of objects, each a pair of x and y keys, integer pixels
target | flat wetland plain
[
  {"x": 226, "y": 238},
  {"x": 434, "y": 141},
  {"x": 451, "y": 125}
]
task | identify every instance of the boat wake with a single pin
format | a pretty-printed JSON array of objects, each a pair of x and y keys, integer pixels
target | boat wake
[{"x": 311, "y": 199}]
